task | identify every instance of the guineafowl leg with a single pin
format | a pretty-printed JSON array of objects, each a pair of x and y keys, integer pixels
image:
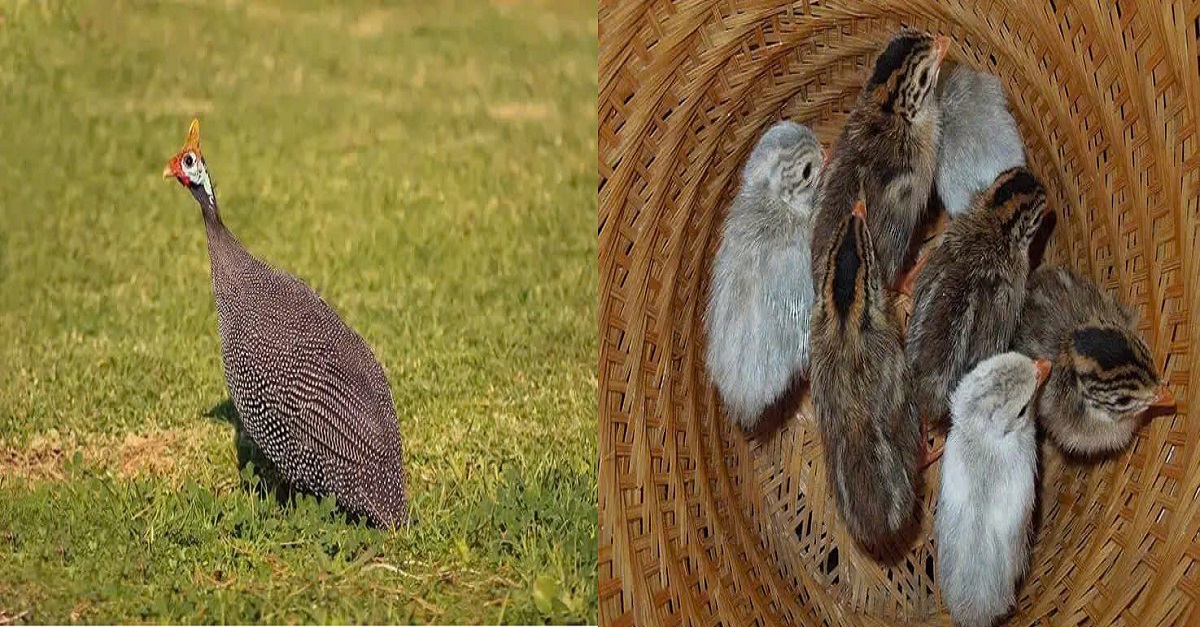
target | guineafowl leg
[{"x": 909, "y": 279}]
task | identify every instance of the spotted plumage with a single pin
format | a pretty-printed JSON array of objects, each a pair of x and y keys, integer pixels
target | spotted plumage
[{"x": 310, "y": 394}]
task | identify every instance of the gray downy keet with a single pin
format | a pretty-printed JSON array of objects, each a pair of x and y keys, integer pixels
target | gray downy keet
[
  {"x": 762, "y": 290},
  {"x": 988, "y": 488},
  {"x": 979, "y": 137}
]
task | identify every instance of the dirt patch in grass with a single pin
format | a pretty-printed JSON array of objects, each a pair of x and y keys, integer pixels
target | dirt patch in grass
[
  {"x": 159, "y": 453},
  {"x": 370, "y": 25},
  {"x": 520, "y": 111}
]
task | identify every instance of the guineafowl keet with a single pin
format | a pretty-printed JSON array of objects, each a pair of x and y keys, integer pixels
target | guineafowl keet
[
  {"x": 762, "y": 291},
  {"x": 886, "y": 154},
  {"x": 1104, "y": 377},
  {"x": 309, "y": 391},
  {"x": 979, "y": 137}
]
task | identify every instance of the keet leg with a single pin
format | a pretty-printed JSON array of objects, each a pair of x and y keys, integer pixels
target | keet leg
[
  {"x": 909, "y": 279},
  {"x": 928, "y": 455}
]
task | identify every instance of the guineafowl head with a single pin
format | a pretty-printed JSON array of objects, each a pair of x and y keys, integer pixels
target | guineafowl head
[
  {"x": 187, "y": 166},
  {"x": 997, "y": 395},
  {"x": 1112, "y": 369},
  {"x": 906, "y": 73},
  {"x": 1018, "y": 202}
]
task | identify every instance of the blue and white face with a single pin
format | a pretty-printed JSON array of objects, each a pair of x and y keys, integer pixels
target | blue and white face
[{"x": 187, "y": 166}]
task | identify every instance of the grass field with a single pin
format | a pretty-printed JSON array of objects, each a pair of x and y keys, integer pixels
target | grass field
[{"x": 430, "y": 169}]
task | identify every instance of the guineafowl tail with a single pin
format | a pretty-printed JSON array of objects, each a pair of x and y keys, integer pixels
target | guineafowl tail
[{"x": 384, "y": 495}]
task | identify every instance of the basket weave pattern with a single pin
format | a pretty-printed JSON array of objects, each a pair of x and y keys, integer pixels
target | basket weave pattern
[{"x": 703, "y": 525}]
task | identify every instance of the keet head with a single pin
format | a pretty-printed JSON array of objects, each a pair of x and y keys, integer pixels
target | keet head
[
  {"x": 187, "y": 166},
  {"x": 1114, "y": 371},
  {"x": 849, "y": 273},
  {"x": 997, "y": 395},
  {"x": 1018, "y": 200},
  {"x": 787, "y": 160},
  {"x": 799, "y": 170},
  {"x": 906, "y": 72}
]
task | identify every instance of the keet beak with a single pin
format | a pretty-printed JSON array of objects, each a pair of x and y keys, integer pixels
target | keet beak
[
  {"x": 167, "y": 173},
  {"x": 824, "y": 152},
  {"x": 941, "y": 45},
  {"x": 1043, "y": 370},
  {"x": 1164, "y": 397},
  {"x": 860, "y": 210}
]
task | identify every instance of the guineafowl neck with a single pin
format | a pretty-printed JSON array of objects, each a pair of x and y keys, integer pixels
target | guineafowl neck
[
  {"x": 224, "y": 251},
  {"x": 208, "y": 207}
]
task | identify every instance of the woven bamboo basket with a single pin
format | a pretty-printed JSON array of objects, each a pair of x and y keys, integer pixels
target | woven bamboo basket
[{"x": 701, "y": 524}]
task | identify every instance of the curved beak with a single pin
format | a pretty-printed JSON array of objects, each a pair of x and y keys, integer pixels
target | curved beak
[
  {"x": 1164, "y": 398},
  {"x": 167, "y": 173},
  {"x": 1043, "y": 370},
  {"x": 941, "y": 45}
]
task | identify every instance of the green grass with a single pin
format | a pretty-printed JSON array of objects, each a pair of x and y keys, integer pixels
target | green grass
[{"x": 427, "y": 167}]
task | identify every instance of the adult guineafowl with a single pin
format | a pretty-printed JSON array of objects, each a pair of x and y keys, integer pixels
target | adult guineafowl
[{"x": 309, "y": 391}]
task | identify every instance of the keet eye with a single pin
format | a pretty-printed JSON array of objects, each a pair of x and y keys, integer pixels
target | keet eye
[
  {"x": 924, "y": 76},
  {"x": 807, "y": 171},
  {"x": 189, "y": 160}
]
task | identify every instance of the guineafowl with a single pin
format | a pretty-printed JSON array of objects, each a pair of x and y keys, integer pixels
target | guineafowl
[
  {"x": 762, "y": 291},
  {"x": 310, "y": 393},
  {"x": 979, "y": 137}
]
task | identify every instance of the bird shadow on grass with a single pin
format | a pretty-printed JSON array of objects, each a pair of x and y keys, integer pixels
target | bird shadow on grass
[
  {"x": 225, "y": 412},
  {"x": 253, "y": 463},
  {"x": 269, "y": 483}
]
